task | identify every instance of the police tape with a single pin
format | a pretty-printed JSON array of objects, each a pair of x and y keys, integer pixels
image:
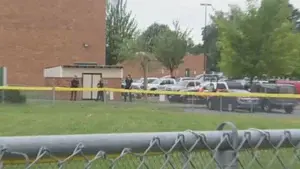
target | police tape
[{"x": 205, "y": 94}]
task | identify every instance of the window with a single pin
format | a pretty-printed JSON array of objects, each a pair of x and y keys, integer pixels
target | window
[
  {"x": 287, "y": 89},
  {"x": 198, "y": 83},
  {"x": 151, "y": 80},
  {"x": 221, "y": 86},
  {"x": 191, "y": 84},
  {"x": 271, "y": 90},
  {"x": 164, "y": 82},
  {"x": 172, "y": 82},
  {"x": 235, "y": 85},
  {"x": 206, "y": 87},
  {"x": 157, "y": 81},
  {"x": 182, "y": 83}
]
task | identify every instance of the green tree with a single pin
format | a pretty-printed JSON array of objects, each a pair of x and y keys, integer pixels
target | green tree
[
  {"x": 194, "y": 49},
  {"x": 170, "y": 47},
  {"x": 120, "y": 26},
  {"x": 137, "y": 49},
  {"x": 150, "y": 34},
  {"x": 210, "y": 48},
  {"x": 210, "y": 40},
  {"x": 258, "y": 41}
]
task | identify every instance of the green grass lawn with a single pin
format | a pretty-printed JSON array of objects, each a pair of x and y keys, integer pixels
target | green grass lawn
[{"x": 91, "y": 117}]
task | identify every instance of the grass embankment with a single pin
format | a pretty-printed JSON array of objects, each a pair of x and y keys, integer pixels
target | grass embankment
[{"x": 90, "y": 117}]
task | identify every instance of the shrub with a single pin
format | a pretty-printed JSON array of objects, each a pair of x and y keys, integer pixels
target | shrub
[{"x": 12, "y": 96}]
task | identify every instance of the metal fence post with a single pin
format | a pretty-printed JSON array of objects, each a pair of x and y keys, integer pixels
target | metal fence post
[
  {"x": 106, "y": 95},
  {"x": 227, "y": 159},
  {"x": 53, "y": 95}
]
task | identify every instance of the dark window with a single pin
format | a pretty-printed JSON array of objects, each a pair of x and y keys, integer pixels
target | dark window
[
  {"x": 271, "y": 90},
  {"x": 287, "y": 89},
  {"x": 221, "y": 86},
  {"x": 235, "y": 85},
  {"x": 191, "y": 84}
]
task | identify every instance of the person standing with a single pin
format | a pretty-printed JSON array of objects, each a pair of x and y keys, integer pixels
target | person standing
[
  {"x": 128, "y": 83},
  {"x": 100, "y": 93},
  {"x": 74, "y": 84}
]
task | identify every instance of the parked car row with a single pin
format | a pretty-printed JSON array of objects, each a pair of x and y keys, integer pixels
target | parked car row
[
  {"x": 207, "y": 82},
  {"x": 249, "y": 103}
]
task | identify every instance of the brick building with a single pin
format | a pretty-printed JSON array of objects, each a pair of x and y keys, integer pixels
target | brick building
[
  {"x": 192, "y": 64},
  {"x": 36, "y": 34}
]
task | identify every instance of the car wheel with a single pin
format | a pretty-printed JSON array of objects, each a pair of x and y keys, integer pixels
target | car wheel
[
  {"x": 266, "y": 107},
  {"x": 288, "y": 110},
  {"x": 209, "y": 105}
]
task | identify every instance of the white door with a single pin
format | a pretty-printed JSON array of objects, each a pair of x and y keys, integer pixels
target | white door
[
  {"x": 96, "y": 79},
  {"x": 87, "y": 82}
]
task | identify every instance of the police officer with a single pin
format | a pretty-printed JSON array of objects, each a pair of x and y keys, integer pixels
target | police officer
[
  {"x": 128, "y": 83},
  {"x": 100, "y": 93},
  {"x": 74, "y": 84}
]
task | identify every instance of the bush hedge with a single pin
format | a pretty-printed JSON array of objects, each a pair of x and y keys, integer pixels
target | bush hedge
[{"x": 12, "y": 96}]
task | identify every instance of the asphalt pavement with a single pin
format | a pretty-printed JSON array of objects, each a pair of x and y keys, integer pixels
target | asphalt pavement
[{"x": 203, "y": 109}]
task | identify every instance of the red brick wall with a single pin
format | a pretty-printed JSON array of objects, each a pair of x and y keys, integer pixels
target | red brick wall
[
  {"x": 194, "y": 63},
  {"x": 37, "y": 33}
]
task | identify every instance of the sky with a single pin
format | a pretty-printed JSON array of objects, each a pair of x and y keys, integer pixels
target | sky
[{"x": 189, "y": 13}]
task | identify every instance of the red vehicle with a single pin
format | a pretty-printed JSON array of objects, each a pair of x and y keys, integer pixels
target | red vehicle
[{"x": 295, "y": 83}]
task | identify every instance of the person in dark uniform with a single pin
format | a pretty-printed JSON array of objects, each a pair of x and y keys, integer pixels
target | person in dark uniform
[
  {"x": 74, "y": 84},
  {"x": 100, "y": 94},
  {"x": 128, "y": 83}
]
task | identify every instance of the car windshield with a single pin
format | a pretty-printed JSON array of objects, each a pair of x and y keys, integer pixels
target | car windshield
[
  {"x": 204, "y": 84},
  {"x": 182, "y": 83},
  {"x": 151, "y": 80},
  {"x": 210, "y": 78},
  {"x": 142, "y": 80},
  {"x": 157, "y": 81},
  {"x": 235, "y": 85}
]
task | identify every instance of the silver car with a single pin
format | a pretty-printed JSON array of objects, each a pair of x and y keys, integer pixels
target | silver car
[{"x": 183, "y": 85}]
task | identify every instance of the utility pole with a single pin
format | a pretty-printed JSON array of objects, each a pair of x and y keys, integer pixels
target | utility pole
[{"x": 205, "y": 24}]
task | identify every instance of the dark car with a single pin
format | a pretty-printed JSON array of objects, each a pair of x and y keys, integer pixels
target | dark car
[
  {"x": 202, "y": 100},
  {"x": 268, "y": 104},
  {"x": 245, "y": 103},
  {"x": 232, "y": 103}
]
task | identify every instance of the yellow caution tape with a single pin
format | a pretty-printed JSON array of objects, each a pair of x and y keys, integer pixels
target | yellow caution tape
[{"x": 205, "y": 94}]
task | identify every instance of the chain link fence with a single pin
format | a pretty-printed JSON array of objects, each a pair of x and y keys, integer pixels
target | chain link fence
[{"x": 221, "y": 149}]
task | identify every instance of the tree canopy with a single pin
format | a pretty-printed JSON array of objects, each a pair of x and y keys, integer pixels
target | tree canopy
[
  {"x": 120, "y": 26},
  {"x": 259, "y": 40},
  {"x": 170, "y": 47}
]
